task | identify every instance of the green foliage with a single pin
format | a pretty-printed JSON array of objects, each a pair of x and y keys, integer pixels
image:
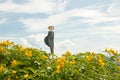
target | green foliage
[{"x": 20, "y": 63}]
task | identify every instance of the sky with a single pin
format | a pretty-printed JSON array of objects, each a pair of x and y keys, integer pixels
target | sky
[{"x": 80, "y": 25}]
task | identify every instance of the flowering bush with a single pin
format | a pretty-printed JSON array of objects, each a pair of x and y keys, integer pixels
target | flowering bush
[{"x": 20, "y": 63}]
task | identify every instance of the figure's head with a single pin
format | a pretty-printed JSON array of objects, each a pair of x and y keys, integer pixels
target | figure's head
[{"x": 51, "y": 27}]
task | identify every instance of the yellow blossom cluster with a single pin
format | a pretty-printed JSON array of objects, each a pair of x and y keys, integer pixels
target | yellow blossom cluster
[
  {"x": 118, "y": 60},
  {"x": 99, "y": 56},
  {"x": 14, "y": 72},
  {"x": 88, "y": 58},
  {"x": 100, "y": 61},
  {"x": 72, "y": 62},
  {"x": 9, "y": 78},
  {"x": 119, "y": 67},
  {"x": 6, "y": 43},
  {"x": 67, "y": 53},
  {"x": 2, "y": 49},
  {"x": 26, "y": 76},
  {"x": 60, "y": 63},
  {"x": 14, "y": 62},
  {"x": 1, "y": 68},
  {"x": 114, "y": 52},
  {"x": 58, "y": 69},
  {"x": 45, "y": 57},
  {"x": 93, "y": 53},
  {"x": 28, "y": 54},
  {"x": 22, "y": 48}
]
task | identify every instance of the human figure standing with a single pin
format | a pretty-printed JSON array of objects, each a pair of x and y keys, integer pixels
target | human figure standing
[{"x": 49, "y": 39}]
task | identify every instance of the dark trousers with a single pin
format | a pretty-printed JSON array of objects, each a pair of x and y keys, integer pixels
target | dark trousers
[{"x": 52, "y": 50}]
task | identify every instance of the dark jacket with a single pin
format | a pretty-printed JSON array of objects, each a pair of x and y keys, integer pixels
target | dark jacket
[{"x": 49, "y": 39}]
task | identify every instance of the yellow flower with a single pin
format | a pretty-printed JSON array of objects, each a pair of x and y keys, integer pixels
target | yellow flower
[
  {"x": 13, "y": 72},
  {"x": 100, "y": 60},
  {"x": 63, "y": 58},
  {"x": 102, "y": 64},
  {"x": 1, "y": 68},
  {"x": 26, "y": 76},
  {"x": 2, "y": 49},
  {"x": 93, "y": 53},
  {"x": 111, "y": 50},
  {"x": 58, "y": 69},
  {"x": 58, "y": 61},
  {"x": 17, "y": 77},
  {"x": 115, "y": 52},
  {"x": 6, "y": 43},
  {"x": 118, "y": 60},
  {"x": 68, "y": 53},
  {"x": 62, "y": 64},
  {"x": 14, "y": 62},
  {"x": 118, "y": 67},
  {"x": 106, "y": 50},
  {"x": 22, "y": 48},
  {"x": 89, "y": 57},
  {"x": 9, "y": 78},
  {"x": 28, "y": 54},
  {"x": 99, "y": 56},
  {"x": 72, "y": 62},
  {"x": 45, "y": 57}
]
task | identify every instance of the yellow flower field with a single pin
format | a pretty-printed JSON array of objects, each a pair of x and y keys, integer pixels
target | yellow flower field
[{"x": 24, "y": 63}]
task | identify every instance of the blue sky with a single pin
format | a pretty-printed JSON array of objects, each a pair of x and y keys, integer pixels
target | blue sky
[{"x": 80, "y": 25}]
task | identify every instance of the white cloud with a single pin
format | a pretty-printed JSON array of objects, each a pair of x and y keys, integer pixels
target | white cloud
[
  {"x": 104, "y": 30},
  {"x": 86, "y": 13},
  {"x": 95, "y": 45},
  {"x": 36, "y": 40},
  {"x": 114, "y": 9},
  {"x": 34, "y": 6},
  {"x": 62, "y": 46},
  {"x": 7, "y": 38},
  {"x": 111, "y": 29},
  {"x": 86, "y": 16},
  {"x": 25, "y": 42},
  {"x": 61, "y": 5},
  {"x": 3, "y": 21},
  {"x": 60, "y": 18},
  {"x": 11, "y": 37},
  {"x": 100, "y": 20}
]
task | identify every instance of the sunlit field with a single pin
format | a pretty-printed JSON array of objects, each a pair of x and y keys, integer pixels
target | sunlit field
[{"x": 25, "y": 63}]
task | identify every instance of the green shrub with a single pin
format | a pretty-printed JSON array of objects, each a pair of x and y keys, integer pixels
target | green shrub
[{"x": 20, "y": 63}]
